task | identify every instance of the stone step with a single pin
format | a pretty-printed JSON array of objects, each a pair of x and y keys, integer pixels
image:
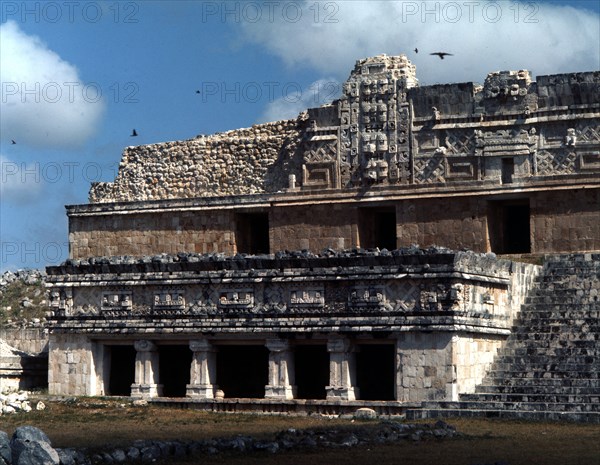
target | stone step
[
  {"x": 555, "y": 335},
  {"x": 546, "y": 360},
  {"x": 577, "y": 417},
  {"x": 578, "y": 287},
  {"x": 549, "y": 351},
  {"x": 579, "y": 268},
  {"x": 533, "y": 374},
  {"x": 515, "y": 342},
  {"x": 552, "y": 398},
  {"x": 556, "y": 370},
  {"x": 537, "y": 389},
  {"x": 543, "y": 382},
  {"x": 521, "y": 406},
  {"x": 558, "y": 314},
  {"x": 550, "y": 299},
  {"x": 558, "y": 325}
]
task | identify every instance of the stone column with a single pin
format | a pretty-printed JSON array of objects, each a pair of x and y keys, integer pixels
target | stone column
[
  {"x": 203, "y": 372},
  {"x": 146, "y": 371},
  {"x": 281, "y": 370},
  {"x": 342, "y": 370}
]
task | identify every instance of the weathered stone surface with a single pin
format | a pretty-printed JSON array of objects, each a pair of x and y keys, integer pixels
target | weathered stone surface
[
  {"x": 362, "y": 139},
  {"x": 5, "y": 450},
  {"x": 31, "y": 446},
  {"x": 548, "y": 368},
  {"x": 365, "y": 414}
]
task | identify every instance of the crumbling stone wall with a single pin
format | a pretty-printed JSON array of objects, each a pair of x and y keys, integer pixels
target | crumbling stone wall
[
  {"x": 243, "y": 161},
  {"x": 384, "y": 131}
]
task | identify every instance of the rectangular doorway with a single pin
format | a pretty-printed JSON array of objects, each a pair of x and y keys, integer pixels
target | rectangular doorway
[
  {"x": 312, "y": 371},
  {"x": 121, "y": 371},
  {"x": 174, "y": 363},
  {"x": 508, "y": 170},
  {"x": 377, "y": 228},
  {"x": 376, "y": 371},
  {"x": 242, "y": 371},
  {"x": 252, "y": 233},
  {"x": 509, "y": 226}
]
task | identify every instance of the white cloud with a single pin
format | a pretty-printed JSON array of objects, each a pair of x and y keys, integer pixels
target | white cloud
[
  {"x": 297, "y": 100},
  {"x": 44, "y": 102},
  {"x": 483, "y": 36}
]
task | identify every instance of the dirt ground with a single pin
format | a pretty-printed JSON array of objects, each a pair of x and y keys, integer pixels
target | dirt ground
[{"x": 102, "y": 423}]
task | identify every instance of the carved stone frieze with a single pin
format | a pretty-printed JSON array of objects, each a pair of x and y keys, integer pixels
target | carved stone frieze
[
  {"x": 557, "y": 161},
  {"x": 506, "y": 142},
  {"x": 168, "y": 300},
  {"x": 362, "y": 297},
  {"x": 116, "y": 300},
  {"x": 61, "y": 301},
  {"x": 308, "y": 297},
  {"x": 374, "y": 121},
  {"x": 236, "y": 299}
]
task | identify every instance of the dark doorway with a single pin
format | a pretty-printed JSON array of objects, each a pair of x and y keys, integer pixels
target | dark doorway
[
  {"x": 508, "y": 170},
  {"x": 509, "y": 229},
  {"x": 377, "y": 228},
  {"x": 122, "y": 369},
  {"x": 174, "y": 363},
  {"x": 252, "y": 233},
  {"x": 376, "y": 371},
  {"x": 242, "y": 371},
  {"x": 312, "y": 371}
]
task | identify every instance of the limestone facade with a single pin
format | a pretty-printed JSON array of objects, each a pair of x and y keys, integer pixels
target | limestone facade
[
  {"x": 436, "y": 316},
  {"x": 388, "y": 164},
  {"x": 180, "y": 282}
]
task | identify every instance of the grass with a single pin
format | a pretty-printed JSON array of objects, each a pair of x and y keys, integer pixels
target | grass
[
  {"x": 93, "y": 422},
  {"x": 11, "y": 297}
]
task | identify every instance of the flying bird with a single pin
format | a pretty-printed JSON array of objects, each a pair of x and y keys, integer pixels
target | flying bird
[
  {"x": 416, "y": 50},
  {"x": 12, "y": 142},
  {"x": 441, "y": 54},
  {"x": 134, "y": 133},
  {"x": 197, "y": 91}
]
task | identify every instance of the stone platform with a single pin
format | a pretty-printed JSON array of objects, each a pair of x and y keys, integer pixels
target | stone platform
[{"x": 402, "y": 326}]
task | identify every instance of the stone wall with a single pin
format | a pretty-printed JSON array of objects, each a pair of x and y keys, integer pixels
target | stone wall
[
  {"x": 243, "y": 161},
  {"x": 30, "y": 340},
  {"x": 460, "y": 222},
  {"x": 566, "y": 221},
  {"x": 153, "y": 233},
  {"x": 385, "y": 131},
  {"x": 559, "y": 221},
  {"x": 71, "y": 369},
  {"x": 422, "y": 301},
  {"x": 314, "y": 227},
  {"x": 473, "y": 356},
  {"x": 425, "y": 369}
]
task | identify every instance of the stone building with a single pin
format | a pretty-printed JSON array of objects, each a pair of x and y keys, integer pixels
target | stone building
[{"x": 180, "y": 283}]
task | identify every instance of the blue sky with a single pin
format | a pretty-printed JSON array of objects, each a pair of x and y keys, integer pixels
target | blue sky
[{"x": 77, "y": 77}]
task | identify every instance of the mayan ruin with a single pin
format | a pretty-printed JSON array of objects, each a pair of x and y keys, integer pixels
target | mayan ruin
[{"x": 417, "y": 250}]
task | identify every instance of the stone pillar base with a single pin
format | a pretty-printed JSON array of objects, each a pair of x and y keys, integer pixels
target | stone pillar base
[
  {"x": 341, "y": 393},
  {"x": 201, "y": 391},
  {"x": 280, "y": 392},
  {"x": 146, "y": 391}
]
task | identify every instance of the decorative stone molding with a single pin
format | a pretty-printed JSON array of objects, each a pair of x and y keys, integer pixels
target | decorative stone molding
[{"x": 116, "y": 301}]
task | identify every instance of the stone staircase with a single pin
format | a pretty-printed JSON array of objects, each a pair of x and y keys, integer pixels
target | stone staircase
[{"x": 549, "y": 368}]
